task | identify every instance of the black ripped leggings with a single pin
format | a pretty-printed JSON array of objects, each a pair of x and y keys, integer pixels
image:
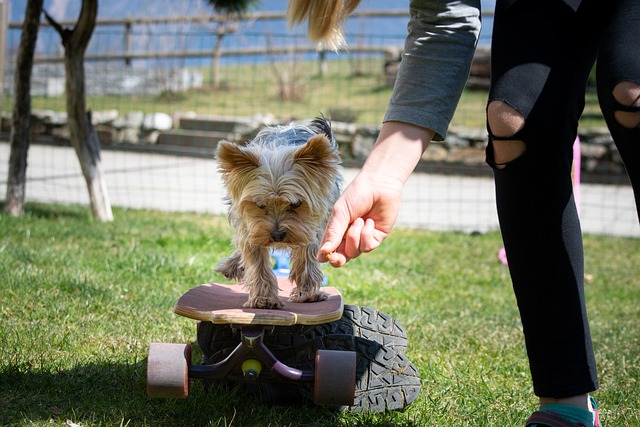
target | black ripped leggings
[{"x": 542, "y": 54}]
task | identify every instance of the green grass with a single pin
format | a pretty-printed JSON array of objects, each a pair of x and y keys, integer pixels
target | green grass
[{"x": 81, "y": 300}]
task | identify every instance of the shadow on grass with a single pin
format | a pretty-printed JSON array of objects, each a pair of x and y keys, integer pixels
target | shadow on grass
[
  {"x": 45, "y": 211},
  {"x": 115, "y": 394}
]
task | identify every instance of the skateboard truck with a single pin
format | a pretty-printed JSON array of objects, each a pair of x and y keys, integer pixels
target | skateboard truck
[
  {"x": 251, "y": 353},
  {"x": 169, "y": 367}
]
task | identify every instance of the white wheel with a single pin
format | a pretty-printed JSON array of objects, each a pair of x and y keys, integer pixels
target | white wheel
[
  {"x": 335, "y": 378},
  {"x": 168, "y": 370}
]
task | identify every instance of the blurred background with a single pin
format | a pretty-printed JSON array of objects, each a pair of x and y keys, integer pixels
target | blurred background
[{"x": 167, "y": 79}]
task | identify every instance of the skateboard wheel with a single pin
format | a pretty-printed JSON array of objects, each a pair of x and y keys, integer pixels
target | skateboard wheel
[
  {"x": 335, "y": 378},
  {"x": 168, "y": 370}
]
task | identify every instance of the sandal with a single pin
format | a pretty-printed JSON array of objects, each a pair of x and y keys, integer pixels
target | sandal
[{"x": 551, "y": 419}]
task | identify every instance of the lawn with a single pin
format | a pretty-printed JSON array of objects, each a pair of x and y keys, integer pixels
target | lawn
[
  {"x": 351, "y": 89},
  {"x": 81, "y": 300}
]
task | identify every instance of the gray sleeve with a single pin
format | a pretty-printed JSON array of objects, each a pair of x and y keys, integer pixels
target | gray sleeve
[{"x": 435, "y": 63}]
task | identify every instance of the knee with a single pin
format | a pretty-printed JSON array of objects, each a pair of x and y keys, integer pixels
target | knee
[
  {"x": 505, "y": 121},
  {"x": 627, "y": 93}
]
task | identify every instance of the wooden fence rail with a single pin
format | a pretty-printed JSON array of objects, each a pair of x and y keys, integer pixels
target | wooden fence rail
[{"x": 128, "y": 54}]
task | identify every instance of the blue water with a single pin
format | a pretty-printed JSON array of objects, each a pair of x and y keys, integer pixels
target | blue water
[{"x": 359, "y": 31}]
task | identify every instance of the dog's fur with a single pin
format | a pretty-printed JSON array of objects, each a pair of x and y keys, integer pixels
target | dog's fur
[{"x": 281, "y": 187}]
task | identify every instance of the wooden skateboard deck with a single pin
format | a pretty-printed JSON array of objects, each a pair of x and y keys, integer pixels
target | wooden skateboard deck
[{"x": 219, "y": 303}]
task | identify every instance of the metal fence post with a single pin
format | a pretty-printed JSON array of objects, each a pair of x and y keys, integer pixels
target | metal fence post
[{"x": 4, "y": 32}]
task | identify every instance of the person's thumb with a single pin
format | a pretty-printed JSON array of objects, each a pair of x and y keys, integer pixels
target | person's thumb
[{"x": 334, "y": 231}]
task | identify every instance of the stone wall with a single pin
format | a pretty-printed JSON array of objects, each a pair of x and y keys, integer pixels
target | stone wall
[
  {"x": 479, "y": 74},
  {"x": 101, "y": 79},
  {"x": 189, "y": 133}
]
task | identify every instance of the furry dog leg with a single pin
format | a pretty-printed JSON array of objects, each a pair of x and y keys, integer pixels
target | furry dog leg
[
  {"x": 259, "y": 279},
  {"x": 306, "y": 274},
  {"x": 232, "y": 267}
]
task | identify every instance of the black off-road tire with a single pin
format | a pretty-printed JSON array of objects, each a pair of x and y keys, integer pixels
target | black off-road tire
[
  {"x": 385, "y": 378},
  {"x": 357, "y": 321}
]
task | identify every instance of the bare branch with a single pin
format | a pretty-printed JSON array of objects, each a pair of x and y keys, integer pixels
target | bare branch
[{"x": 64, "y": 32}]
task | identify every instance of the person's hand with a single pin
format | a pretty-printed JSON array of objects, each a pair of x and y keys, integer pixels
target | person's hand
[
  {"x": 361, "y": 219},
  {"x": 367, "y": 210}
]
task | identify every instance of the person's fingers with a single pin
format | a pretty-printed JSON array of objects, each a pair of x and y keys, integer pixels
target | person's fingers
[
  {"x": 325, "y": 251},
  {"x": 337, "y": 259},
  {"x": 334, "y": 231},
  {"x": 352, "y": 239},
  {"x": 361, "y": 237},
  {"x": 347, "y": 249},
  {"x": 369, "y": 236}
]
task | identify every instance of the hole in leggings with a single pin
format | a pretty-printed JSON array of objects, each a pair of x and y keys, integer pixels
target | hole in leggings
[
  {"x": 627, "y": 94},
  {"x": 504, "y": 123}
]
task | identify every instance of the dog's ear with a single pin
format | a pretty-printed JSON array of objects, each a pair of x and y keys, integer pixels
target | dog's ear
[
  {"x": 234, "y": 158},
  {"x": 236, "y": 164},
  {"x": 319, "y": 156}
]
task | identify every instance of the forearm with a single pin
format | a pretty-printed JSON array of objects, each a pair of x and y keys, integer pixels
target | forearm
[
  {"x": 432, "y": 75},
  {"x": 397, "y": 151},
  {"x": 367, "y": 210}
]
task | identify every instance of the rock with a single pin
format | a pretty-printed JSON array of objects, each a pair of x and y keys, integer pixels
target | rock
[
  {"x": 132, "y": 119},
  {"x": 593, "y": 151},
  {"x": 106, "y": 134},
  {"x": 128, "y": 135},
  {"x": 436, "y": 152},
  {"x": 157, "y": 121},
  {"x": 151, "y": 137},
  {"x": 56, "y": 118},
  {"x": 362, "y": 145},
  {"x": 103, "y": 117},
  {"x": 453, "y": 140}
]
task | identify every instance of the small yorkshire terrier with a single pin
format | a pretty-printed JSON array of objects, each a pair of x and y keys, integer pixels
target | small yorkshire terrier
[{"x": 281, "y": 187}]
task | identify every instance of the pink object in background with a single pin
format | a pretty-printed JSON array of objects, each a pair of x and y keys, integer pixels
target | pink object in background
[
  {"x": 502, "y": 256},
  {"x": 576, "y": 172}
]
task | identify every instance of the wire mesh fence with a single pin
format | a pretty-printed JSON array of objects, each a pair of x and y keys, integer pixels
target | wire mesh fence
[{"x": 264, "y": 71}]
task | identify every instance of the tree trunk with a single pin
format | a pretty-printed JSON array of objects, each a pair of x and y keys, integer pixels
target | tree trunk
[
  {"x": 84, "y": 137},
  {"x": 81, "y": 131},
  {"x": 21, "y": 119},
  {"x": 217, "y": 53}
]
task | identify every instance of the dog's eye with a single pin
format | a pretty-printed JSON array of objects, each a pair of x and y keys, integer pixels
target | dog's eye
[
  {"x": 295, "y": 205},
  {"x": 261, "y": 206}
]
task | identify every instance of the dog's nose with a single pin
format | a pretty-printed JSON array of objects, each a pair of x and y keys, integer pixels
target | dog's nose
[{"x": 278, "y": 235}]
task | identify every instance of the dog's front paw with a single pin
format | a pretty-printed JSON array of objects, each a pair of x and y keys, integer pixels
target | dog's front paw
[
  {"x": 264, "y": 302},
  {"x": 231, "y": 268},
  {"x": 303, "y": 296}
]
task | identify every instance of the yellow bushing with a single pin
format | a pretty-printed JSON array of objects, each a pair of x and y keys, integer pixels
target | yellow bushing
[{"x": 251, "y": 368}]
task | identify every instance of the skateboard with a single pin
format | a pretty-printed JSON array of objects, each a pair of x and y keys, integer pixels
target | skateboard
[{"x": 169, "y": 367}]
